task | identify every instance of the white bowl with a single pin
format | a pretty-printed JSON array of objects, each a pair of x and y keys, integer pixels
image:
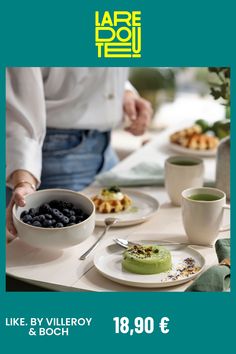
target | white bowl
[{"x": 55, "y": 238}]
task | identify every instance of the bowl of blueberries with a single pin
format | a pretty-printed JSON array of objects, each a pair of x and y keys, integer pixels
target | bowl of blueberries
[{"x": 55, "y": 218}]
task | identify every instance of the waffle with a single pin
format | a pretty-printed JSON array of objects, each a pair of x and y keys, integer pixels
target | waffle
[
  {"x": 111, "y": 205},
  {"x": 192, "y": 138}
]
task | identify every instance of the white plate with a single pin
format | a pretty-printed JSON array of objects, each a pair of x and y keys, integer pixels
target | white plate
[
  {"x": 184, "y": 150},
  {"x": 108, "y": 262},
  {"x": 143, "y": 207}
]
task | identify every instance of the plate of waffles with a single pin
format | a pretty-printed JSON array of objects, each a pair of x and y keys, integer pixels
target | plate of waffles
[
  {"x": 195, "y": 152},
  {"x": 129, "y": 206},
  {"x": 192, "y": 141}
]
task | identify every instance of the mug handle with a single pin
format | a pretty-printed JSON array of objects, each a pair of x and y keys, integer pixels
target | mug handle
[{"x": 225, "y": 228}]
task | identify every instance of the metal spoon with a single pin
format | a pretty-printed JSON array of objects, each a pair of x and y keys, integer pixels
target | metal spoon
[
  {"x": 124, "y": 243},
  {"x": 108, "y": 223}
]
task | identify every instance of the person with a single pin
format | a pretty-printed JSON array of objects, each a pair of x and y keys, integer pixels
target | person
[{"x": 59, "y": 122}]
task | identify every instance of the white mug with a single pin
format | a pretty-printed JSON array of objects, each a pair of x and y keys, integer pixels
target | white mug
[
  {"x": 202, "y": 218},
  {"x": 182, "y": 172}
]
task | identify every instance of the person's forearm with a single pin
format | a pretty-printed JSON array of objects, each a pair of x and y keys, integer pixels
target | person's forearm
[
  {"x": 25, "y": 124},
  {"x": 19, "y": 176},
  {"x": 23, "y": 183}
]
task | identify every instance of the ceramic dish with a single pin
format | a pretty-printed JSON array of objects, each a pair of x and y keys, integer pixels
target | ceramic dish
[
  {"x": 184, "y": 150},
  {"x": 55, "y": 238},
  {"x": 108, "y": 262},
  {"x": 143, "y": 208}
]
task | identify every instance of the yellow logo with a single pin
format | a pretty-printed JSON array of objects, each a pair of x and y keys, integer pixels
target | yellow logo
[{"x": 118, "y": 35}]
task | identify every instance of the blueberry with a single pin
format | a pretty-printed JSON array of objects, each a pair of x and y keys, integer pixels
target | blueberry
[
  {"x": 37, "y": 224},
  {"x": 72, "y": 219},
  {"x": 68, "y": 205},
  {"x": 25, "y": 212},
  {"x": 27, "y": 218},
  {"x": 79, "y": 219},
  {"x": 53, "y": 221},
  {"x": 42, "y": 218},
  {"x": 45, "y": 208},
  {"x": 65, "y": 220},
  {"x": 55, "y": 212},
  {"x": 29, "y": 223},
  {"x": 48, "y": 216},
  {"x": 54, "y": 204},
  {"x": 66, "y": 212},
  {"x": 72, "y": 212},
  {"x": 47, "y": 223},
  {"x": 77, "y": 211},
  {"x": 64, "y": 205},
  {"x": 59, "y": 224},
  {"x": 71, "y": 224},
  {"x": 36, "y": 218},
  {"x": 60, "y": 205},
  {"x": 32, "y": 211},
  {"x": 60, "y": 216}
]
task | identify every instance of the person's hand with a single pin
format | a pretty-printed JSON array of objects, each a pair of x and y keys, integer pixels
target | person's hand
[
  {"x": 18, "y": 198},
  {"x": 139, "y": 112}
]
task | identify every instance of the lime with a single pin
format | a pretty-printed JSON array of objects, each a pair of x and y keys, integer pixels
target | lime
[
  {"x": 221, "y": 128},
  {"x": 203, "y": 124}
]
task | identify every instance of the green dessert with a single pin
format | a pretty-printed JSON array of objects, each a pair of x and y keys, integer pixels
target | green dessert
[{"x": 146, "y": 259}]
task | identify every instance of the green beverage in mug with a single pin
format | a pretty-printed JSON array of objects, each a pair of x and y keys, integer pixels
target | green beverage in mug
[
  {"x": 186, "y": 162},
  {"x": 182, "y": 172},
  {"x": 204, "y": 197},
  {"x": 202, "y": 212}
]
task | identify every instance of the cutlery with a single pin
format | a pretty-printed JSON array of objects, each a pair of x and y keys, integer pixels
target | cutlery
[
  {"x": 125, "y": 243},
  {"x": 108, "y": 223}
]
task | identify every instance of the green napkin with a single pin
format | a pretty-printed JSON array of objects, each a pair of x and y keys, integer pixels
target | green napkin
[
  {"x": 216, "y": 278},
  {"x": 143, "y": 174}
]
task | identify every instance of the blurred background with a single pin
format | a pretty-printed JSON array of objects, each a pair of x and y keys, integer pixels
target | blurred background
[{"x": 177, "y": 94}]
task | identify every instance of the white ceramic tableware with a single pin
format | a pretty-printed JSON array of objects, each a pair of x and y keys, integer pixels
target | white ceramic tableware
[
  {"x": 202, "y": 218},
  {"x": 108, "y": 261},
  {"x": 143, "y": 207},
  {"x": 182, "y": 172},
  {"x": 194, "y": 152},
  {"x": 55, "y": 238}
]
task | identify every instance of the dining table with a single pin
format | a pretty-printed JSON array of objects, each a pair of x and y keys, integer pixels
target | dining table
[{"x": 62, "y": 270}]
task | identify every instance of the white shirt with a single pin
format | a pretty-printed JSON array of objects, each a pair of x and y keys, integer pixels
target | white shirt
[{"x": 78, "y": 98}]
